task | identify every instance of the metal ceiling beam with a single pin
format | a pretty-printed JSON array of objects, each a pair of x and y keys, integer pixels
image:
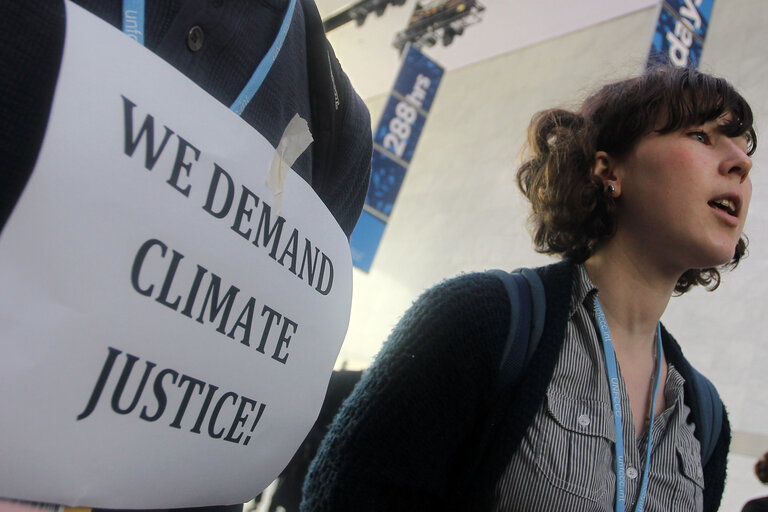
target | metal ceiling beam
[{"x": 358, "y": 11}]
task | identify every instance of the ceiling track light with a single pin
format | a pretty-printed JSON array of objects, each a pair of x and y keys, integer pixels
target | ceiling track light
[
  {"x": 358, "y": 12},
  {"x": 438, "y": 20}
]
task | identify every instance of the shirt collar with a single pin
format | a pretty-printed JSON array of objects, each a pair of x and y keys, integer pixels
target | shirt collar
[
  {"x": 673, "y": 388},
  {"x": 583, "y": 291}
]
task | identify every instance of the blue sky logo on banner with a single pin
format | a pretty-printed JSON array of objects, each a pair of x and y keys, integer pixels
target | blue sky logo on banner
[
  {"x": 386, "y": 177},
  {"x": 394, "y": 142},
  {"x": 680, "y": 32}
]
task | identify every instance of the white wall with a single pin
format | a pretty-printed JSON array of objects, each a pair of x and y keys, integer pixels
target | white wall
[{"x": 459, "y": 208}]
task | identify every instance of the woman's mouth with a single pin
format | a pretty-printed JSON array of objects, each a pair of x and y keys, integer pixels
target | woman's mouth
[{"x": 726, "y": 205}]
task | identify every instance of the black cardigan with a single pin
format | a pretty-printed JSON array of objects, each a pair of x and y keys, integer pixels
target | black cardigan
[{"x": 403, "y": 439}]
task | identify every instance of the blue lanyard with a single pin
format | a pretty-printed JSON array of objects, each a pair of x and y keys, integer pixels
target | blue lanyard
[
  {"x": 613, "y": 384},
  {"x": 133, "y": 26},
  {"x": 133, "y": 20}
]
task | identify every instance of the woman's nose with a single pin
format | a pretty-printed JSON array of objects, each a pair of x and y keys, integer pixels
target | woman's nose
[{"x": 736, "y": 161}]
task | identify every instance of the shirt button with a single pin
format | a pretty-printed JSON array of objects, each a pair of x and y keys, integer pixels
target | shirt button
[
  {"x": 631, "y": 473},
  {"x": 195, "y": 38},
  {"x": 584, "y": 420}
]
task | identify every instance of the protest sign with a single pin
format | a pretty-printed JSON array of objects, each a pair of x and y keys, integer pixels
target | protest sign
[{"x": 169, "y": 319}]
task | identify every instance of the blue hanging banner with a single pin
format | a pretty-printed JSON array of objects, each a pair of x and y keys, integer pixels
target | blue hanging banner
[
  {"x": 680, "y": 32},
  {"x": 394, "y": 142}
]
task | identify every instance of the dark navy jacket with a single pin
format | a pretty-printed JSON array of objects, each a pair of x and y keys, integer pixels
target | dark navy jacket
[{"x": 306, "y": 79}]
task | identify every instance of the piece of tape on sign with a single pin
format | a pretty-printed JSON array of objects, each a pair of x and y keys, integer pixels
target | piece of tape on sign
[{"x": 296, "y": 138}]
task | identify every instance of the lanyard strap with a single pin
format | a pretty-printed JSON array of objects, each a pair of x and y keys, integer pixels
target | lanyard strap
[
  {"x": 613, "y": 384},
  {"x": 133, "y": 20},
  {"x": 133, "y": 26}
]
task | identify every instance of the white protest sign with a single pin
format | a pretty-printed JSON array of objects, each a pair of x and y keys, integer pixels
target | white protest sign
[{"x": 167, "y": 333}]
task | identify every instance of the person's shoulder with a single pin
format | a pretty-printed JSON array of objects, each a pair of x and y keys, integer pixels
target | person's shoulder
[
  {"x": 558, "y": 275},
  {"x": 475, "y": 294},
  {"x": 462, "y": 317},
  {"x": 466, "y": 283},
  {"x": 756, "y": 505}
]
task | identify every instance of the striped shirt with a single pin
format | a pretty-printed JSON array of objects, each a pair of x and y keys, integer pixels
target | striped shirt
[{"x": 566, "y": 461}]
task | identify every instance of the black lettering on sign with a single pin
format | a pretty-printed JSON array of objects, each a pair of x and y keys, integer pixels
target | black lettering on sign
[
  {"x": 254, "y": 220},
  {"x": 186, "y": 153},
  {"x": 147, "y": 132},
  {"x": 224, "y": 306},
  {"x": 233, "y": 416}
]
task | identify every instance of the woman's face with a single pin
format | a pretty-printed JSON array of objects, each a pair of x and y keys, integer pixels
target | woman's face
[{"x": 684, "y": 195}]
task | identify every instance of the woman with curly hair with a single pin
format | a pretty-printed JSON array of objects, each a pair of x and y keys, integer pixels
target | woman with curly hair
[{"x": 643, "y": 191}]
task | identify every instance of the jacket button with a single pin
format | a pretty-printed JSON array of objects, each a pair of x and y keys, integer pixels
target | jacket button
[
  {"x": 631, "y": 473},
  {"x": 195, "y": 38},
  {"x": 584, "y": 420}
]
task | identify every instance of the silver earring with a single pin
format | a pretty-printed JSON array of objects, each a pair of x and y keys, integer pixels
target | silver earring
[{"x": 610, "y": 189}]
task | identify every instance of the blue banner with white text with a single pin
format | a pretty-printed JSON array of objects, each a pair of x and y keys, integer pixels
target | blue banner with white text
[
  {"x": 394, "y": 143},
  {"x": 680, "y": 33}
]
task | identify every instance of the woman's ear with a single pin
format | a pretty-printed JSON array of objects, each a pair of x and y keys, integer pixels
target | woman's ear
[{"x": 605, "y": 169}]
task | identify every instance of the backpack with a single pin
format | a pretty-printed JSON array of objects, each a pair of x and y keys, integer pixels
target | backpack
[{"x": 528, "y": 302}]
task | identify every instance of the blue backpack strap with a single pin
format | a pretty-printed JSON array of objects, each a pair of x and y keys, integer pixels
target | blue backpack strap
[
  {"x": 516, "y": 345},
  {"x": 711, "y": 414},
  {"x": 536, "y": 288},
  {"x": 526, "y": 323},
  {"x": 527, "y": 303},
  {"x": 526, "y": 300}
]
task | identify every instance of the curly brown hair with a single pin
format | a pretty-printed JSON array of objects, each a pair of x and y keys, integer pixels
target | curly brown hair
[
  {"x": 761, "y": 468},
  {"x": 571, "y": 214}
]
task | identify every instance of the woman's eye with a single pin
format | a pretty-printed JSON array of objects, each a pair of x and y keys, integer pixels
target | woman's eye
[{"x": 700, "y": 136}]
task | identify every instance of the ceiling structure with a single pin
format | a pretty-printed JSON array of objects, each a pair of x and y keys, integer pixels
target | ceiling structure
[{"x": 368, "y": 57}]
